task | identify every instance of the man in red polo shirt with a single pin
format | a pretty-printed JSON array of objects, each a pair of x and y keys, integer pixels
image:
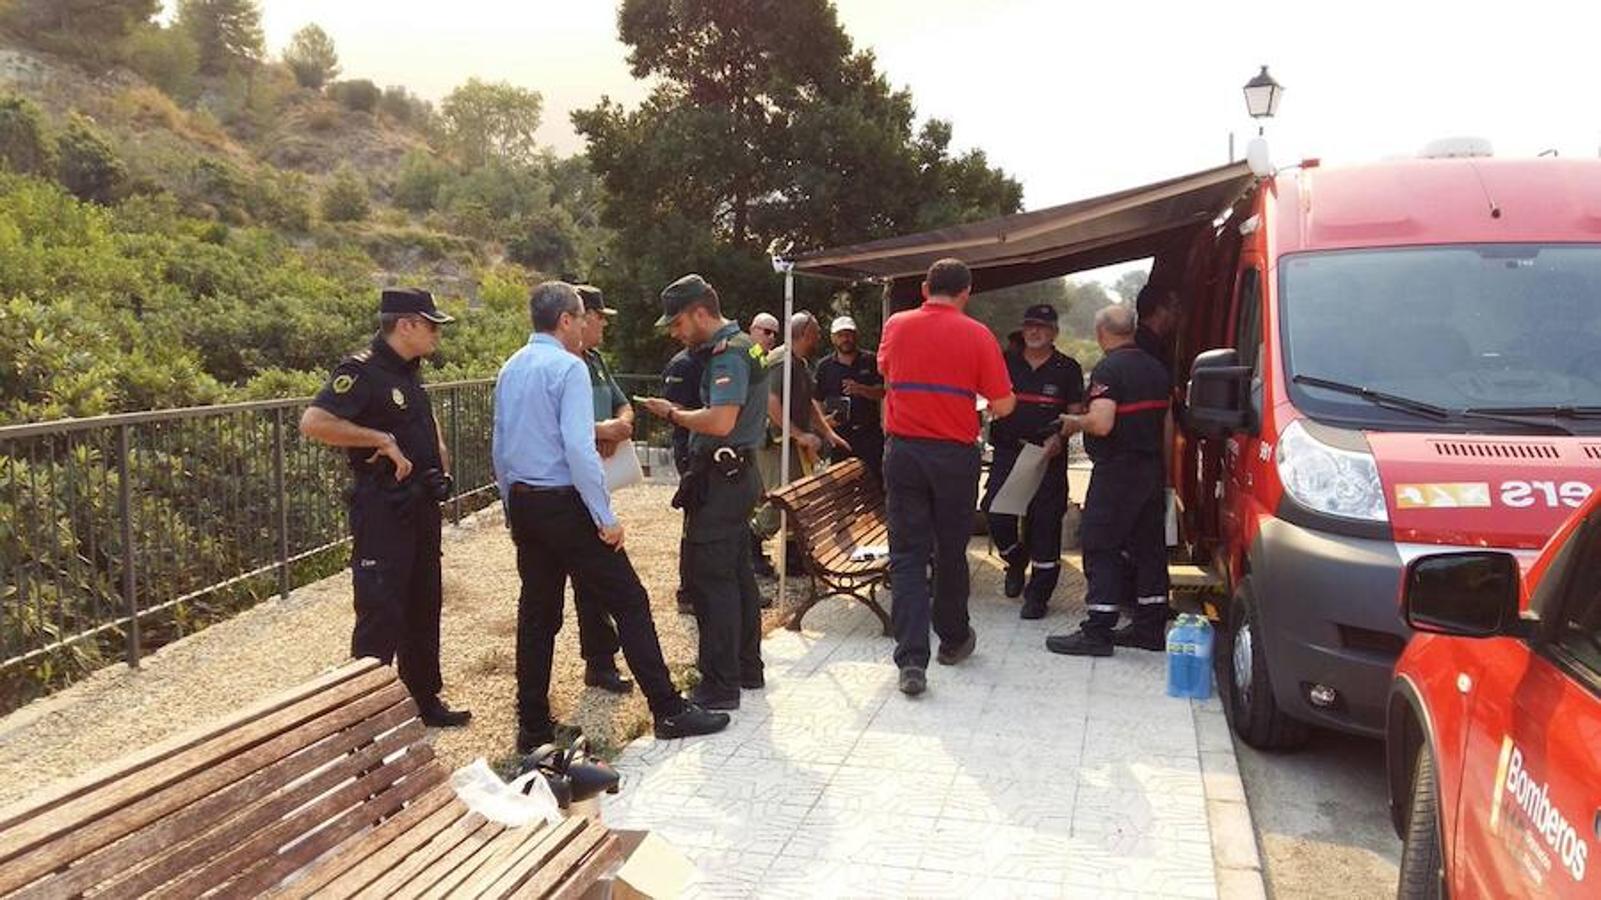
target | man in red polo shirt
[{"x": 936, "y": 363}]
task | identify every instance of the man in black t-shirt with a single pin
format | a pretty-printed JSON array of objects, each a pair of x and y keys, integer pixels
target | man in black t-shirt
[
  {"x": 374, "y": 405},
  {"x": 1158, "y": 309},
  {"x": 1125, "y": 507},
  {"x": 1047, "y": 384},
  {"x": 851, "y": 390}
]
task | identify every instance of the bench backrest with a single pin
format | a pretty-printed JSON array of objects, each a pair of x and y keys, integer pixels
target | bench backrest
[
  {"x": 835, "y": 511},
  {"x": 238, "y": 805}
]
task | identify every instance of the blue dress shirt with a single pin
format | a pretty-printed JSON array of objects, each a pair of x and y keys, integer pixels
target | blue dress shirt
[{"x": 545, "y": 425}]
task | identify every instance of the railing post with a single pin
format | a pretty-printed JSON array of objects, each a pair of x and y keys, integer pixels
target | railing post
[
  {"x": 455, "y": 449},
  {"x": 130, "y": 584},
  {"x": 283, "y": 502}
]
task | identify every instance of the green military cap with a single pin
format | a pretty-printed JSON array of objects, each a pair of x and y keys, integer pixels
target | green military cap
[{"x": 679, "y": 295}]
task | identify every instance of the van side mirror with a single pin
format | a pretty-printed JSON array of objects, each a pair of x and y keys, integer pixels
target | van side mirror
[
  {"x": 1472, "y": 594},
  {"x": 1219, "y": 394}
]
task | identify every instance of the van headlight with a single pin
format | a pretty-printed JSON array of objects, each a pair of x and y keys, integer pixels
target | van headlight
[{"x": 1330, "y": 480}]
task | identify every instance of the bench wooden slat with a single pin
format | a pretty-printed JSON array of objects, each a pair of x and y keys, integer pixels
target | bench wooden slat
[
  {"x": 590, "y": 870},
  {"x": 167, "y": 846},
  {"x": 560, "y": 867},
  {"x": 504, "y": 842},
  {"x": 442, "y": 867},
  {"x": 72, "y": 789},
  {"x": 375, "y": 844},
  {"x": 389, "y": 885},
  {"x": 498, "y": 879},
  {"x": 410, "y": 837},
  {"x": 249, "y": 856},
  {"x": 835, "y": 513},
  {"x": 67, "y": 819}
]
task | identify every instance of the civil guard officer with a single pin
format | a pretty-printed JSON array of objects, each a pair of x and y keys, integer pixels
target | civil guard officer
[
  {"x": 720, "y": 491},
  {"x": 1047, "y": 383},
  {"x": 614, "y": 423},
  {"x": 374, "y": 405},
  {"x": 681, "y": 387},
  {"x": 1126, "y": 502}
]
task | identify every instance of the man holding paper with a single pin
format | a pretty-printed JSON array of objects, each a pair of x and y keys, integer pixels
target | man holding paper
[
  {"x": 614, "y": 423},
  {"x": 1047, "y": 383}
]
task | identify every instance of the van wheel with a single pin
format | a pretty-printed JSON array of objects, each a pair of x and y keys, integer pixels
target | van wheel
[
  {"x": 1422, "y": 870},
  {"x": 1243, "y": 682}
]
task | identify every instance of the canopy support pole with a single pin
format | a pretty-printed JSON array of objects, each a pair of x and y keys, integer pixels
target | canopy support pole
[{"x": 783, "y": 448}]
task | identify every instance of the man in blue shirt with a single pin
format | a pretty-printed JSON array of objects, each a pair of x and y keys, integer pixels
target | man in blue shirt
[{"x": 562, "y": 522}]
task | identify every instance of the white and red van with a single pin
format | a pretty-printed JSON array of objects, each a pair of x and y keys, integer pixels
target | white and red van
[{"x": 1385, "y": 361}]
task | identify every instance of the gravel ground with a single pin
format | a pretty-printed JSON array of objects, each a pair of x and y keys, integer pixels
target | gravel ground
[{"x": 281, "y": 643}]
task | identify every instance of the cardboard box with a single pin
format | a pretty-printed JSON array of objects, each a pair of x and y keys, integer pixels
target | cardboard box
[{"x": 651, "y": 869}]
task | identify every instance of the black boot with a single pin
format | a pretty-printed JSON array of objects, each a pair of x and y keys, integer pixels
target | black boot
[
  {"x": 691, "y": 721},
  {"x": 607, "y": 678},
  {"x": 1038, "y": 592},
  {"x": 435, "y": 714},
  {"x": 1080, "y": 643},
  {"x": 1140, "y": 636},
  {"x": 1016, "y": 571}
]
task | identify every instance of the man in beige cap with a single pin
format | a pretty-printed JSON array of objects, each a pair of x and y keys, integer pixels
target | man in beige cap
[{"x": 851, "y": 391}]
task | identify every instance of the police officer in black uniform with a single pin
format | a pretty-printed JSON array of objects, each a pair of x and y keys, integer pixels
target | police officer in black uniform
[
  {"x": 1126, "y": 503},
  {"x": 1047, "y": 383},
  {"x": 374, "y": 405},
  {"x": 681, "y": 387},
  {"x": 720, "y": 490}
]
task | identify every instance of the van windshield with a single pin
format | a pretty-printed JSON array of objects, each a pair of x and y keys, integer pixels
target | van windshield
[{"x": 1499, "y": 328}]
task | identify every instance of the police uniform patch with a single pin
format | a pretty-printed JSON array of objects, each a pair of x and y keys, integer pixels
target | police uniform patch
[
  {"x": 398, "y": 397},
  {"x": 343, "y": 383}
]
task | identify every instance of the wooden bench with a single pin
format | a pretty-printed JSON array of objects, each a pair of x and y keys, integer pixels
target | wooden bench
[
  {"x": 833, "y": 514},
  {"x": 328, "y": 790}
]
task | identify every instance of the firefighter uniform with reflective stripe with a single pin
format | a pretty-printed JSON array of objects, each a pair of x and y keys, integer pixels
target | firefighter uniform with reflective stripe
[
  {"x": 1043, "y": 394},
  {"x": 1125, "y": 507}
]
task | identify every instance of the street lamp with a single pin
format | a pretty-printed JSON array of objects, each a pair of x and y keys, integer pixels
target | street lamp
[{"x": 1262, "y": 96}]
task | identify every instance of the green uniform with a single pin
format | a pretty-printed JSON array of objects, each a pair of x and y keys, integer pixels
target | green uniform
[
  {"x": 608, "y": 396},
  {"x": 717, "y": 530}
]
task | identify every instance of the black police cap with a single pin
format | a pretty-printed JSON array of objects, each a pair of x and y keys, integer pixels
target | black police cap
[
  {"x": 413, "y": 301},
  {"x": 677, "y": 297},
  {"x": 594, "y": 300},
  {"x": 1040, "y": 314}
]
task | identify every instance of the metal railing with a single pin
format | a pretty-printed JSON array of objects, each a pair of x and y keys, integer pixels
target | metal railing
[{"x": 122, "y": 533}]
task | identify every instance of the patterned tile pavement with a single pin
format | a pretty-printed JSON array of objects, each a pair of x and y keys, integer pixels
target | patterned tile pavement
[{"x": 1019, "y": 774}]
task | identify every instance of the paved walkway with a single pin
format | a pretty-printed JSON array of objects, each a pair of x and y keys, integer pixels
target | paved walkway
[{"x": 1019, "y": 774}]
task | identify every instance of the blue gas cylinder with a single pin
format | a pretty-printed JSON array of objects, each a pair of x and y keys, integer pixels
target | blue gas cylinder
[{"x": 1189, "y": 658}]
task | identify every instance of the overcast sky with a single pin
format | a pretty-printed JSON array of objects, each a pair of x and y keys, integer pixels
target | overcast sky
[{"x": 1074, "y": 99}]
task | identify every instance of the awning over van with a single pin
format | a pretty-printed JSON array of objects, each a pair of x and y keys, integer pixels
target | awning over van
[{"x": 1046, "y": 243}]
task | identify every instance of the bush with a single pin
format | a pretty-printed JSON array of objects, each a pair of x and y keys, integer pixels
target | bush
[
  {"x": 222, "y": 187},
  {"x": 311, "y": 56},
  {"x": 168, "y": 58},
  {"x": 346, "y": 198},
  {"x": 281, "y": 199},
  {"x": 359, "y": 95},
  {"x": 421, "y": 178},
  {"x": 25, "y": 146},
  {"x": 86, "y": 164}
]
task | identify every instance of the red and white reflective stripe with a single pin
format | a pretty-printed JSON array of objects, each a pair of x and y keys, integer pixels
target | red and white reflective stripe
[
  {"x": 1040, "y": 398},
  {"x": 1142, "y": 406}
]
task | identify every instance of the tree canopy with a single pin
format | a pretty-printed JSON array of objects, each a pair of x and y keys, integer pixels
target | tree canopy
[
  {"x": 88, "y": 29},
  {"x": 312, "y": 57},
  {"x": 765, "y": 124},
  {"x": 228, "y": 32},
  {"x": 492, "y": 121}
]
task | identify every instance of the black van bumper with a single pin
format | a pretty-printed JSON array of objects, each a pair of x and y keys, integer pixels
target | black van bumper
[{"x": 1328, "y": 606}]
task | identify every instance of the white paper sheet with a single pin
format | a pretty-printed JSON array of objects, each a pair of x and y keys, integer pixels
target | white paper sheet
[
  {"x": 1027, "y": 473},
  {"x": 622, "y": 467}
]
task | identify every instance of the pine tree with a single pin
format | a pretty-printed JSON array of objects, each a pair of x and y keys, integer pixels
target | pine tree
[
  {"x": 311, "y": 56},
  {"x": 227, "y": 31}
]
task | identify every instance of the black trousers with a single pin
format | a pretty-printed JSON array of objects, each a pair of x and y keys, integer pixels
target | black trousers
[
  {"x": 930, "y": 491},
  {"x": 868, "y": 446},
  {"x": 557, "y": 540},
  {"x": 1122, "y": 530},
  {"x": 597, "y": 637},
  {"x": 1040, "y": 540},
  {"x": 728, "y": 606},
  {"x": 395, "y": 567}
]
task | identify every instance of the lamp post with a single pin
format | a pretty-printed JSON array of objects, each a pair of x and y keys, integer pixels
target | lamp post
[{"x": 1262, "y": 96}]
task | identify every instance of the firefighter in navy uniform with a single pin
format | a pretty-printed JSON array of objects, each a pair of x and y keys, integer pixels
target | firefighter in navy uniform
[
  {"x": 1126, "y": 503},
  {"x": 720, "y": 490},
  {"x": 681, "y": 387},
  {"x": 374, "y": 405},
  {"x": 1047, "y": 383}
]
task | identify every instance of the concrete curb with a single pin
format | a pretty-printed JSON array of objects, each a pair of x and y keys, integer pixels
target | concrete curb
[{"x": 1236, "y": 864}]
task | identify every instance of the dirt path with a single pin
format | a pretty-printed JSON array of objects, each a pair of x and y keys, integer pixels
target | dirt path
[{"x": 281, "y": 643}]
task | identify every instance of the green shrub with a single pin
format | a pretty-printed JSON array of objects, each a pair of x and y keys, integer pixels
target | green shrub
[
  {"x": 168, "y": 58},
  {"x": 421, "y": 178},
  {"x": 281, "y": 199},
  {"x": 222, "y": 187},
  {"x": 360, "y": 95},
  {"x": 25, "y": 146},
  {"x": 346, "y": 197},
  {"x": 86, "y": 165}
]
